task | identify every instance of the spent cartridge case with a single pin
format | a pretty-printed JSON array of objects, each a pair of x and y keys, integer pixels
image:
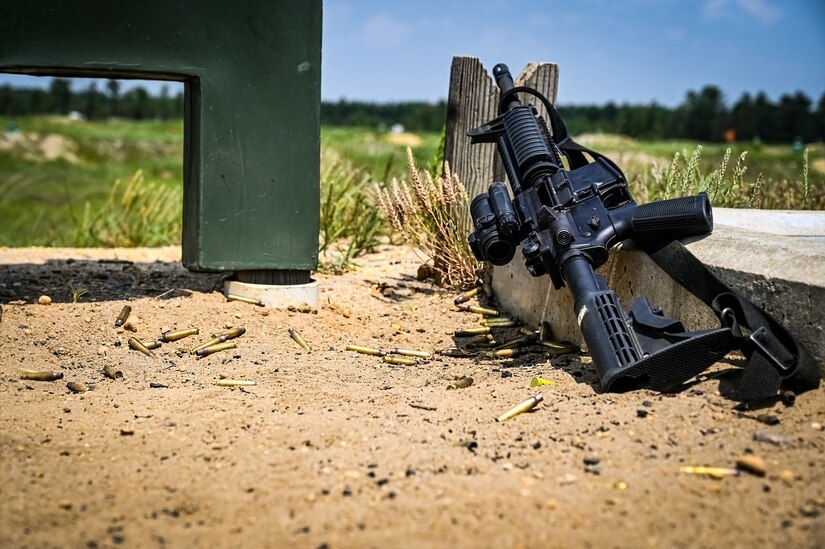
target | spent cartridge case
[
  {"x": 214, "y": 341},
  {"x": 508, "y": 353},
  {"x": 460, "y": 383},
  {"x": 152, "y": 345},
  {"x": 252, "y": 301},
  {"x": 293, "y": 333},
  {"x": 713, "y": 472},
  {"x": 111, "y": 372},
  {"x": 77, "y": 387},
  {"x": 206, "y": 351},
  {"x": 38, "y": 375},
  {"x": 399, "y": 361},
  {"x": 484, "y": 341},
  {"x": 235, "y": 382},
  {"x": 467, "y": 332},
  {"x": 124, "y": 314},
  {"x": 501, "y": 322},
  {"x": 455, "y": 352},
  {"x": 175, "y": 335},
  {"x": 467, "y": 296},
  {"x": 365, "y": 350},
  {"x": 220, "y": 338},
  {"x": 410, "y": 352},
  {"x": 479, "y": 310},
  {"x": 231, "y": 333},
  {"x": 525, "y": 406},
  {"x": 561, "y": 347},
  {"x": 522, "y": 341},
  {"x": 138, "y": 346}
]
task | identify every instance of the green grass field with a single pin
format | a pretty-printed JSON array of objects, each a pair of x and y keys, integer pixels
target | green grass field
[{"x": 57, "y": 176}]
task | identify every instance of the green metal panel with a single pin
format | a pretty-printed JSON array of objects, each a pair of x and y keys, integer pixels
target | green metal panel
[{"x": 252, "y": 72}]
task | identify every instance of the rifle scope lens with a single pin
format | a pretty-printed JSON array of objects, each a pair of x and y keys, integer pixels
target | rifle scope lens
[{"x": 497, "y": 250}]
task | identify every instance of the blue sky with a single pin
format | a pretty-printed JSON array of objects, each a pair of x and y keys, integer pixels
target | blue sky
[
  {"x": 633, "y": 51},
  {"x": 620, "y": 50}
]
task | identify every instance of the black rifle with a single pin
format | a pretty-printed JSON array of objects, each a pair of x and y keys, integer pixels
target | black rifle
[{"x": 566, "y": 221}]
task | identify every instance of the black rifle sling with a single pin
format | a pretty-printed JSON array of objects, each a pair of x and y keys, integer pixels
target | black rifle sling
[{"x": 774, "y": 358}]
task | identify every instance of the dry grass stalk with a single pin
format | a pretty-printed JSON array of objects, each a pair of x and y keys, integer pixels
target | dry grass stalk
[{"x": 426, "y": 211}]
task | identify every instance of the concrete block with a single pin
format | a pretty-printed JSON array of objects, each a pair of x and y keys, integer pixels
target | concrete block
[{"x": 776, "y": 258}]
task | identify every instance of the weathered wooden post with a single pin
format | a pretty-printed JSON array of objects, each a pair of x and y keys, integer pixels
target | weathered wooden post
[{"x": 472, "y": 101}]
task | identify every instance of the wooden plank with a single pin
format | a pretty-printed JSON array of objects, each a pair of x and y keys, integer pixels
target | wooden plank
[{"x": 472, "y": 101}]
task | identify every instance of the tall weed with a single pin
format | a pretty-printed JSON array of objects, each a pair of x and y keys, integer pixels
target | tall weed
[
  {"x": 427, "y": 211},
  {"x": 351, "y": 224},
  {"x": 137, "y": 213},
  {"x": 728, "y": 187}
]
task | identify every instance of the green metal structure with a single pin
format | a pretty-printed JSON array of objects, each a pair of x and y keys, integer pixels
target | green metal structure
[{"x": 252, "y": 72}]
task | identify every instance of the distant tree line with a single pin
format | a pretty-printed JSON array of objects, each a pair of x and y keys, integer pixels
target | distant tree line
[
  {"x": 702, "y": 116},
  {"x": 92, "y": 102},
  {"x": 414, "y": 116}
]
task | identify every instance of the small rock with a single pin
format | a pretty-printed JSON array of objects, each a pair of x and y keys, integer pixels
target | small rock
[
  {"x": 65, "y": 504},
  {"x": 816, "y": 426},
  {"x": 767, "y": 419},
  {"x": 786, "y": 475},
  {"x": 771, "y": 437},
  {"x": 44, "y": 300},
  {"x": 569, "y": 478},
  {"x": 387, "y": 292},
  {"x": 809, "y": 510},
  {"x": 506, "y": 373},
  {"x": 101, "y": 350},
  {"x": 752, "y": 464},
  {"x": 592, "y": 460},
  {"x": 642, "y": 413},
  {"x": 228, "y": 325}
]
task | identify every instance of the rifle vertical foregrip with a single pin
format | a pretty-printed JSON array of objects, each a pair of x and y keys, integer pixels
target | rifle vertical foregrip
[{"x": 674, "y": 218}]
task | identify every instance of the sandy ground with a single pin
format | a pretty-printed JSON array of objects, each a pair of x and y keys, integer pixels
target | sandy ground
[{"x": 337, "y": 449}]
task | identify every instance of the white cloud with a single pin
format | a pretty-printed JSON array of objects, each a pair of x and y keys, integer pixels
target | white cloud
[
  {"x": 383, "y": 31},
  {"x": 762, "y": 10}
]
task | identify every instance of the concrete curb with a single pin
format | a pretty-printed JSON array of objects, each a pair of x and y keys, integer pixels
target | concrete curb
[{"x": 776, "y": 258}]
